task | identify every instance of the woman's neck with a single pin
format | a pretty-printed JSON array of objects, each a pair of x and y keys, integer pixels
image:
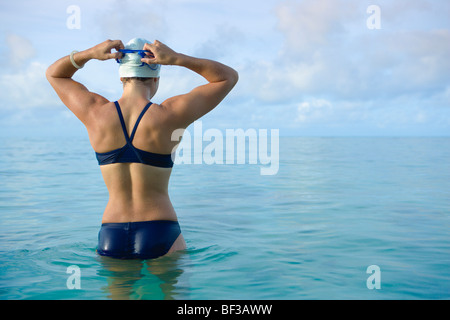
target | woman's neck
[{"x": 137, "y": 91}]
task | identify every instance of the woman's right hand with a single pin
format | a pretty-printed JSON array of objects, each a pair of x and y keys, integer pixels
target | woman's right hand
[
  {"x": 160, "y": 54},
  {"x": 102, "y": 51}
]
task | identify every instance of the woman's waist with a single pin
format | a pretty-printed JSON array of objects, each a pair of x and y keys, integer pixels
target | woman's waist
[{"x": 132, "y": 210}]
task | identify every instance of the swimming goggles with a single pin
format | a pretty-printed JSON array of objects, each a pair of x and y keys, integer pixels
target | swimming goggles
[{"x": 142, "y": 53}]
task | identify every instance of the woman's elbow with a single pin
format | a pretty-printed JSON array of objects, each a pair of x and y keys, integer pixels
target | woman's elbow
[
  {"x": 48, "y": 73},
  {"x": 236, "y": 76},
  {"x": 233, "y": 77}
]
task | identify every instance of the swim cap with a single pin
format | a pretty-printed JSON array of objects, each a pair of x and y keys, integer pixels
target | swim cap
[{"x": 131, "y": 64}]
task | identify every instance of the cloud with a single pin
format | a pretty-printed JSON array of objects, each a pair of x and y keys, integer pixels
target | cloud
[
  {"x": 336, "y": 71},
  {"x": 329, "y": 54},
  {"x": 314, "y": 109},
  {"x": 126, "y": 19},
  {"x": 310, "y": 25},
  {"x": 22, "y": 81},
  {"x": 332, "y": 71},
  {"x": 20, "y": 50},
  {"x": 226, "y": 42},
  {"x": 27, "y": 88}
]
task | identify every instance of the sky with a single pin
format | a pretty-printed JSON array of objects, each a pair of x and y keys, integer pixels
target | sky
[{"x": 307, "y": 67}]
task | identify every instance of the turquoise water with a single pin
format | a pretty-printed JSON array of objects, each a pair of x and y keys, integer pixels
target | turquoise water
[{"x": 336, "y": 207}]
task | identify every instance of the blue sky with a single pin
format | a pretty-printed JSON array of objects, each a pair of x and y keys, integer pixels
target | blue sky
[{"x": 307, "y": 67}]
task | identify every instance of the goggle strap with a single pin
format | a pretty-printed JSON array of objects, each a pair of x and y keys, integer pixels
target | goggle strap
[{"x": 140, "y": 52}]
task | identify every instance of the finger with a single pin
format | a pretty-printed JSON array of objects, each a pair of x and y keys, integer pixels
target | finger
[
  {"x": 148, "y": 61},
  {"x": 149, "y": 55},
  {"x": 116, "y": 44},
  {"x": 114, "y": 55},
  {"x": 148, "y": 46}
]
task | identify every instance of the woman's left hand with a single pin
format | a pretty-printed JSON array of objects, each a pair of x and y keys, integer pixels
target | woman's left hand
[{"x": 102, "y": 51}]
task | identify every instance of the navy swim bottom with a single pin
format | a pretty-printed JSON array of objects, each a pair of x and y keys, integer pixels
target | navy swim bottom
[{"x": 137, "y": 240}]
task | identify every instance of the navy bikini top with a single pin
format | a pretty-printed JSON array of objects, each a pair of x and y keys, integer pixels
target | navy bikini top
[{"x": 128, "y": 153}]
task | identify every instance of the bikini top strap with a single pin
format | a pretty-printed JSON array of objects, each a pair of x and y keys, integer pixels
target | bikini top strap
[
  {"x": 139, "y": 120},
  {"x": 122, "y": 121}
]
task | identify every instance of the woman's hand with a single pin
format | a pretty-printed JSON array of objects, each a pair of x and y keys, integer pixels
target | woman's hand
[
  {"x": 160, "y": 54},
  {"x": 102, "y": 51}
]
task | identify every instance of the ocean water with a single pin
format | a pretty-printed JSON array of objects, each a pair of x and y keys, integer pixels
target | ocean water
[{"x": 336, "y": 207}]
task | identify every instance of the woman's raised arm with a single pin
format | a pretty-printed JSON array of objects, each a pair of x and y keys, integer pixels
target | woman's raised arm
[
  {"x": 191, "y": 106},
  {"x": 72, "y": 93}
]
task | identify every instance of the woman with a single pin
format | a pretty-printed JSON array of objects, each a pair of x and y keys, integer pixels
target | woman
[{"x": 132, "y": 139}]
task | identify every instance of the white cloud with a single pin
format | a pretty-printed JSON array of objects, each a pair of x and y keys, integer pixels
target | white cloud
[
  {"x": 329, "y": 52},
  {"x": 123, "y": 19},
  {"x": 21, "y": 50},
  {"x": 309, "y": 25},
  {"x": 27, "y": 88},
  {"x": 22, "y": 81},
  {"x": 225, "y": 43},
  {"x": 312, "y": 110}
]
